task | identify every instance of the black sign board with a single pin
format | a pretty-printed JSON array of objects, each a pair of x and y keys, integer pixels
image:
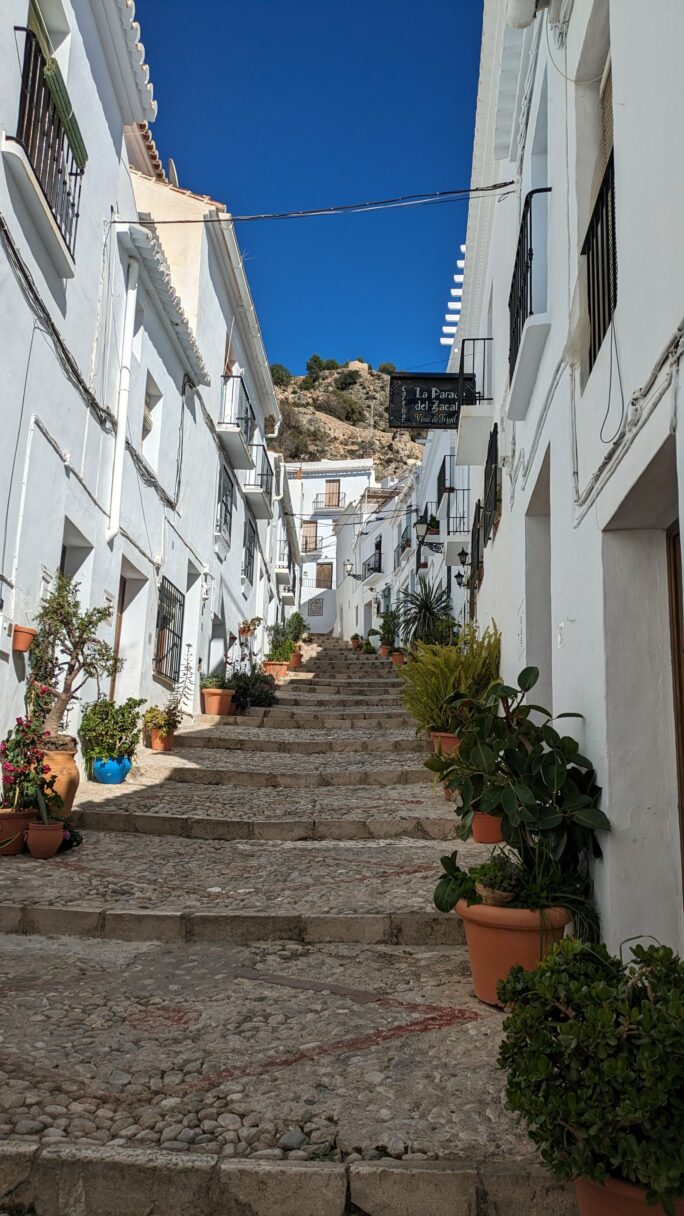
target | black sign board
[{"x": 429, "y": 402}]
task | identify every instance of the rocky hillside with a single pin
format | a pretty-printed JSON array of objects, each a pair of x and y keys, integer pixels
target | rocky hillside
[{"x": 340, "y": 413}]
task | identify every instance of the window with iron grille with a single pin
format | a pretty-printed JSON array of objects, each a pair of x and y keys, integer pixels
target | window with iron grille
[
  {"x": 476, "y": 562},
  {"x": 600, "y": 250},
  {"x": 490, "y": 505},
  {"x": 226, "y": 498},
  {"x": 309, "y": 536},
  {"x": 249, "y": 546},
  {"x": 169, "y": 639},
  {"x": 526, "y": 290}
]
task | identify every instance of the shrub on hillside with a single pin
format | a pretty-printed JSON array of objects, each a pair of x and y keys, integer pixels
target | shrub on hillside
[
  {"x": 280, "y": 375},
  {"x": 386, "y": 368},
  {"x": 346, "y": 379}
]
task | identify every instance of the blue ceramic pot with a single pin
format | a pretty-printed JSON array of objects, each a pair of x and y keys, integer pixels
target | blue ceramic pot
[{"x": 112, "y": 772}]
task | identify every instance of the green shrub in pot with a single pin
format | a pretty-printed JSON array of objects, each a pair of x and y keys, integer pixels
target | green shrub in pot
[
  {"x": 109, "y": 731},
  {"x": 389, "y": 627},
  {"x": 435, "y": 673},
  {"x": 296, "y": 627},
  {"x": 281, "y": 645},
  {"x": 593, "y": 1053}
]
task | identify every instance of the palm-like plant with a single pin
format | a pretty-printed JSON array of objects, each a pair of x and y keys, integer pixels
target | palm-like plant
[{"x": 425, "y": 614}]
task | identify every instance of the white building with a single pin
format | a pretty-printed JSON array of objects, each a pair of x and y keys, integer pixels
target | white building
[
  {"x": 137, "y": 397},
  {"x": 321, "y": 491},
  {"x": 575, "y": 274}
]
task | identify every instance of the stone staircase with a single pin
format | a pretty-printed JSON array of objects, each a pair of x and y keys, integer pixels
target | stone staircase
[{"x": 237, "y": 996}]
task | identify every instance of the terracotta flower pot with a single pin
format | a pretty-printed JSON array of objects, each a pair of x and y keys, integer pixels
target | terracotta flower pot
[
  {"x": 398, "y": 659},
  {"x": 501, "y": 938},
  {"x": 44, "y": 839},
  {"x": 487, "y": 829},
  {"x": 22, "y": 637},
  {"x": 295, "y": 660},
  {"x": 384, "y": 651},
  {"x": 445, "y": 742},
  {"x": 160, "y": 742},
  {"x": 13, "y": 827},
  {"x": 617, "y": 1199},
  {"x": 355, "y": 644},
  {"x": 63, "y": 765},
  {"x": 218, "y": 701},
  {"x": 276, "y": 669}
]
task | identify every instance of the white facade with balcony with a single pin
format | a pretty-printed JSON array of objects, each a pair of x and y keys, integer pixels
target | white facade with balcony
[
  {"x": 115, "y": 464},
  {"x": 321, "y": 492},
  {"x": 575, "y": 273}
]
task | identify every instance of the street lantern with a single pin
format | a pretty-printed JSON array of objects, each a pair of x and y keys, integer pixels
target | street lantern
[
  {"x": 421, "y": 529},
  {"x": 460, "y": 578},
  {"x": 348, "y": 567},
  {"x": 463, "y": 556}
]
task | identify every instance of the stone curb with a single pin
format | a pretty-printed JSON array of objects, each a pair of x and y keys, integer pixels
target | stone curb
[
  {"x": 248, "y": 779},
  {"x": 201, "y": 828},
  {"x": 232, "y": 928},
  {"x": 63, "y": 1180},
  {"x": 307, "y": 747}
]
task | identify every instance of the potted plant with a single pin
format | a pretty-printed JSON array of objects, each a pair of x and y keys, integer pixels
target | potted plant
[
  {"x": 388, "y": 631},
  {"x": 66, "y": 653},
  {"x": 397, "y": 656},
  {"x": 367, "y": 647},
  {"x": 295, "y": 657},
  {"x": 546, "y": 794},
  {"x": 592, "y": 1049},
  {"x": 160, "y": 723},
  {"x": 246, "y": 628},
  {"x": 355, "y": 641},
  {"x": 253, "y": 689},
  {"x": 425, "y": 615},
  {"x": 296, "y": 627},
  {"x": 28, "y": 790},
  {"x": 110, "y": 734},
  {"x": 22, "y": 638},
  {"x": 280, "y": 651},
  {"x": 217, "y": 694},
  {"x": 433, "y": 526},
  {"x": 372, "y": 635},
  {"x": 435, "y": 673}
]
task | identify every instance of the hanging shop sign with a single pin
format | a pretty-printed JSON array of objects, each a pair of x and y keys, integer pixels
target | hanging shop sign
[{"x": 429, "y": 402}]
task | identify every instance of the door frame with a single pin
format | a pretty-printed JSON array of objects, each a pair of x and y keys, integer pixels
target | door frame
[{"x": 676, "y": 612}]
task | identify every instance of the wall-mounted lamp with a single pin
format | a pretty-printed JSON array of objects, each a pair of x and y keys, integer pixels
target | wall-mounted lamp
[{"x": 349, "y": 570}]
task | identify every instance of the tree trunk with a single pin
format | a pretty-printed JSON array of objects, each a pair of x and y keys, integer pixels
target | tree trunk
[{"x": 54, "y": 718}]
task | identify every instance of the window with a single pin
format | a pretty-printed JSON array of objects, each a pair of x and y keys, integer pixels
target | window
[
  {"x": 332, "y": 493},
  {"x": 324, "y": 573},
  {"x": 226, "y": 498},
  {"x": 600, "y": 243},
  {"x": 151, "y": 423},
  {"x": 169, "y": 640},
  {"x": 249, "y": 545},
  {"x": 309, "y": 536},
  {"x": 47, "y": 128}
]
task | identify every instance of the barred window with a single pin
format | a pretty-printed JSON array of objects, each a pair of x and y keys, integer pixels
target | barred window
[
  {"x": 249, "y": 546},
  {"x": 169, "y": 639},
  {"x": 226, "y": 498}
]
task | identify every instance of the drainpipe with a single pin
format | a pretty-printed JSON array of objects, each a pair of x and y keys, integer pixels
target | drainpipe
[{"x": 132, "y": 273}]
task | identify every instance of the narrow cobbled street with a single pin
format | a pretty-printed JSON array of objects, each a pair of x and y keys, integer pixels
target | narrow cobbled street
[{"x": 243, "y": 967}]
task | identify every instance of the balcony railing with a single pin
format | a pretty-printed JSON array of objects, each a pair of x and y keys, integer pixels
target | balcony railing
[
  {"x": 236, "y": 408},
  {"x": 310, "y": 542},
  {"x": 42, "y": 134},
  {"x": 421, "y": 558},
  {"x": 600, "y": 250},
  {"x": 476, "y": 362},
  {"x": 329, "y": 501},
  {"x": 372, "y": 565},
  {"x": 458, "y": 519},
  {"x": 284, "y": 556},
  {"x": 490, "y": 505},
  {"x": 446, "y": 477},
  {"x": 262, "y": 473},
  {"x": 428, "y": 517},
  {"x": 526, "y": 284}
]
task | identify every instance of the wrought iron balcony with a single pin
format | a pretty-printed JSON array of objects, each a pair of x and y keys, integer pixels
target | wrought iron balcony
[
  {"x": 372, "y": 565},
  {"x": 600, "y": 250},
  {"x": 446, "y": 478},
  {"x": 476, "y": 361},
  {"x": 236, "y": 408},
  {"x": 521, "y": 300},
  {"x": 428, "y": 520},
  {"x": 329, "y": 501},
  {"x": 56, "y": 156},
  {"x": 284, "y": 555},
  {"x": 458, "y": 518}
]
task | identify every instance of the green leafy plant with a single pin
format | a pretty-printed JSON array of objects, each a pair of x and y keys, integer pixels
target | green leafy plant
[
  {"x": 593, "y": 1055},
  {"x": 368, "y": 648},
  {"x": 425, "y": 614},
  {"x": 280, "y": 375},
  {"x": 164, "y": 718},
  {"x": 109, "y": 731},
  {"x": 280, "y": 644},
  {"x": 374, "y": 633},
  {"x": 216, "y": 679},
  {"x": 252, "y": 688},
  {"x": 433, "y": 524},
  {"x": 67, "y": 651},
  {"x": 356, "y": 637},
  {"x": 347, "y": 379},
  {"x": 434, "y": 673},
  {"x": 296, "y": 627},
  {"x": 389, "y": 627}
]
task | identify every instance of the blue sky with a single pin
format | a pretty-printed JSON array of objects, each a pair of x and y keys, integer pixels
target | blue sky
[{"x": 276, "y": 105}]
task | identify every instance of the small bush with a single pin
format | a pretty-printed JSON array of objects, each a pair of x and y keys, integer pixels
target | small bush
[
  {"x": 280, "y": 375},
  {"x": 347, "y": 379},
  {"x": 109, "y": 731},
  {"x": 386, "y": 368}
]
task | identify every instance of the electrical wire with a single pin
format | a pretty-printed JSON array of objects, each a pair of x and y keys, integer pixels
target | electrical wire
[
  {"x": 570, "y": 79},
  {"x": 426, "y": 198},
  {"x": 613, "y": 349}
]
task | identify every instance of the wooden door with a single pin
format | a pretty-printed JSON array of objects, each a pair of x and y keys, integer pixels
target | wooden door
[
  {"x": 117, "y": 630},
  {"x": 332, "y": 493},
  {"x": 324, "y": 575},
  {"x": 674, "y": 571}
]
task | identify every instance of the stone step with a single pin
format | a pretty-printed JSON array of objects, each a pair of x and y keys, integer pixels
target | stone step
[
  {"x": 274, "y": 1080},
  {"x": 167, "y": 888},
  {"x": 286, "y": 698},
  {"x": 298, "y": 719},
  {"x": 238, "y": 739},
  {"x": 211, "y": 812},
  {"x": 367, "y": 689},
  {"x": 213, "y": 766}
]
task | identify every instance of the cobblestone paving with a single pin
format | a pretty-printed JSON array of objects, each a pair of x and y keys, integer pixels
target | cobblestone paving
[
  {"x": 167, "y": 873},
  {"x": 268, "y": 1051},
  {"x": 156, "y": 763}
]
